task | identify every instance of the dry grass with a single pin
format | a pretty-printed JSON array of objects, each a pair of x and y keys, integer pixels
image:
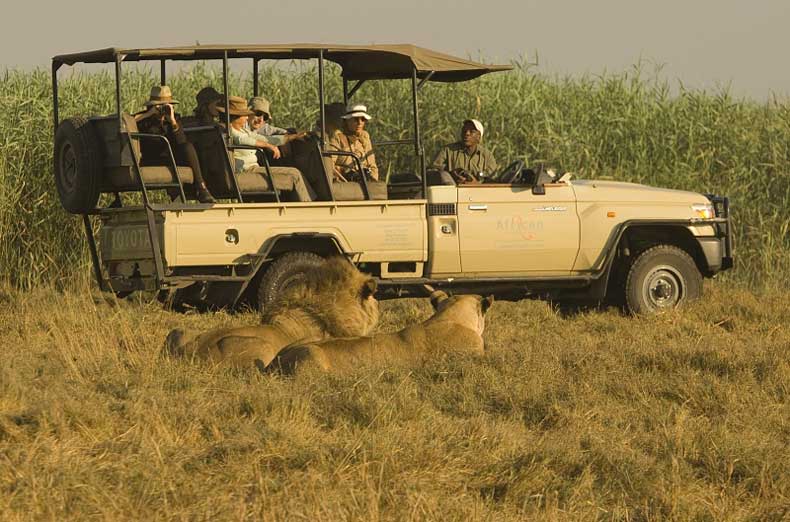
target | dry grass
[{"x": 592, "y": 416}]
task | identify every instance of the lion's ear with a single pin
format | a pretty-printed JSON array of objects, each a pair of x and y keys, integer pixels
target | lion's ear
[
  {"x": 369, "y": 288},
  {"x": 486, "y": 303},
  {"x": 437, "y": 296}
]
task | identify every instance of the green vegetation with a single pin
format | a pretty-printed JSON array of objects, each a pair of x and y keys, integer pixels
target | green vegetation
[
  {"x": 593, "y": 416},
  {"x": 623, "y": 126}
]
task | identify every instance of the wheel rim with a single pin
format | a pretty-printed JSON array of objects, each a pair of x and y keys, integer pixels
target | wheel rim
[
  {"x": 68, "y": 168},
  {"x": 664, "y": 288}
]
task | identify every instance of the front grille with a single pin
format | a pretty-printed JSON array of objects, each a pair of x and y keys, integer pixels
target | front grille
[{"x": 441, "y": 209}]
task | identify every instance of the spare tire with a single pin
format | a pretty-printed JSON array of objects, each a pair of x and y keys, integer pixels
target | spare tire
[{"x": 78, "y": 164}]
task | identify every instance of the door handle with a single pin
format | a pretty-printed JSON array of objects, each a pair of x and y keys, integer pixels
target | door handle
[{"x": 478, "y": 207}]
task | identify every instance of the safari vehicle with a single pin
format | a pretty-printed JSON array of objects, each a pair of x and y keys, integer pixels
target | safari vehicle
[{"x": 520, "y": 233}]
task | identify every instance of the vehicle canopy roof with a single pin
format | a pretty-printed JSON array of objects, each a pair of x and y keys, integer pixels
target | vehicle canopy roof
[{"x": 371, "y": 62}]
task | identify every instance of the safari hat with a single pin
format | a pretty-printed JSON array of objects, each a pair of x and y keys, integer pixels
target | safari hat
[
  {"x": 357, "y": 110},
  {"x": 476, "y": 124},
  {"x": 238, "y": 106},
  {"x": 207, "y": 95},
  {"x": 160, "y": 95},
  {"x": 335, "y": 110},
  {"x": 260, "y": 104}
]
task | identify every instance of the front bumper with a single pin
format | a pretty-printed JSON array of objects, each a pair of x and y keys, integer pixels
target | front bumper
[{"x": 718, "y": 249}]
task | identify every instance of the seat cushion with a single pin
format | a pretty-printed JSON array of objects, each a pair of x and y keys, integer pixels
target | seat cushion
[
  {"x": 352, "y": 191},
  {"x": 124, "y": 178}
]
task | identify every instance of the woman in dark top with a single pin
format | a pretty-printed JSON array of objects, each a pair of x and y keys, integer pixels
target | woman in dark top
[{"x": 160, "y": 118}]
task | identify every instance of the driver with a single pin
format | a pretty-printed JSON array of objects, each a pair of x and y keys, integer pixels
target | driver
[{"x": 466, "y": 161}]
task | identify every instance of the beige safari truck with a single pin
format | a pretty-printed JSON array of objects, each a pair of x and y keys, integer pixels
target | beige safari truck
[{"x": 520, "y": 233}]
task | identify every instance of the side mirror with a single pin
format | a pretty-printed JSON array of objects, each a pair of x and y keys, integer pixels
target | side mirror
[{"x": 539, "y": 190}]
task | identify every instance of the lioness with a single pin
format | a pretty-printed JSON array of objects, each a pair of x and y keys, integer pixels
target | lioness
[
  {"x": 333, "y": 300},
  {"x": 457, "y": 326}
]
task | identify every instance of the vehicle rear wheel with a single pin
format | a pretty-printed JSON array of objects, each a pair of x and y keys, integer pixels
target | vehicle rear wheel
[
  {"x": 662, "y": 277},
  {"x": 285, "y": 271},
  {"x": 78, "y": 165}
]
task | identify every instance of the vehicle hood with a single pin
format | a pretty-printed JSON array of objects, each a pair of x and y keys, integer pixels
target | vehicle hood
[{"x": 620, "y": 191}]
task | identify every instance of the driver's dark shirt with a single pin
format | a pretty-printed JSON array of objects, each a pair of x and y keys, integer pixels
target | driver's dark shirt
[{"x": 455, "y": 156}]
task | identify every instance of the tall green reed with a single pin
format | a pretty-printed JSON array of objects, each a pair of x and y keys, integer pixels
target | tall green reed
[{"x": 624, "y": 126}]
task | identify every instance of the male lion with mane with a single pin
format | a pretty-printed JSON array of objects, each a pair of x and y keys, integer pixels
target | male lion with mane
[
  {"x": 333, "y": 300},
  {"x": 457, "y": 326}
]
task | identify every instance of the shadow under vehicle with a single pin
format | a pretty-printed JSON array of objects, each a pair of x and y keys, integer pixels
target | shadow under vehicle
[{"x": 519, "y": 233}]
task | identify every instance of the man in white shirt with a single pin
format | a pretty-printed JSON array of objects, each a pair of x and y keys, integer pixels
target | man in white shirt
[{"x": 285, "y": 178}]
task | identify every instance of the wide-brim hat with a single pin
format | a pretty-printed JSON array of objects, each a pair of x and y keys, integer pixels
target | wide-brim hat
[
  {"x": 476, "y": 124},
  {"x": 356, "y": 111},
  {"x": 160, "y": 95},
  {"x": 207, "y": 95},
  {"x": 237, "y": 106},
  {"x": 260, "y": 104}
]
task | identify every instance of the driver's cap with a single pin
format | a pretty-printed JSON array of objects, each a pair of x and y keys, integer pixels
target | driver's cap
[{"x": 477, "y": 125}]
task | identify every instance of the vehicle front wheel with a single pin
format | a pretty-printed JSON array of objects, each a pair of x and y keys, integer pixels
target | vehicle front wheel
[
  {"x": 287, "y": 270},
  {"x": 662, "y": 277}
]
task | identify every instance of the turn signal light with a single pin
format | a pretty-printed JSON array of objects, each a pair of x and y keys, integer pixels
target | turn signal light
[{"x": 703, "y": 211}]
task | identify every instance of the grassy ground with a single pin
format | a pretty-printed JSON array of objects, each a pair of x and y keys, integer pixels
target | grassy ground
[{"x": 592, "y": 416}]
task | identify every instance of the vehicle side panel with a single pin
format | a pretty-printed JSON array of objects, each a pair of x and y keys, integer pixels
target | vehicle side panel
[
  {"x": 506, "y": 229},
  {"x": 224, "y": 235},
  {"x": 602, "y": 206},
  {"x": 444, "y": 257}
]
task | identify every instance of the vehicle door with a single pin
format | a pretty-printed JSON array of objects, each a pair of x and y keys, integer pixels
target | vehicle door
[{"x": 508, "y": 230}]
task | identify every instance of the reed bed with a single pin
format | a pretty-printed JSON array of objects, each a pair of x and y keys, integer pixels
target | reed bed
[{"x": 628, "y": 126}]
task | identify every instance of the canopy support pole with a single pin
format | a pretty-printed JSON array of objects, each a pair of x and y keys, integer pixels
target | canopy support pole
[
  {"x": 417, "y": 143},
  {"x": 227, "y": 95},
  {"x": 118, "y": 59},
  {"x": 55, "y": 67},
  {"x": 422, "y": 82},
  {"x": 321, "y": 96},
  {"x": 162, "y": 72},
  {"x": 256, "y": 84},
  {"x": 345, "y": 91},
  {"x": 355, "y": 88}
]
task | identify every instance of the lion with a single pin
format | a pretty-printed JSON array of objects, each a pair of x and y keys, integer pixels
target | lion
[
  {"x": 456, "y": 326},
  {"x": 333, "y": 300}
]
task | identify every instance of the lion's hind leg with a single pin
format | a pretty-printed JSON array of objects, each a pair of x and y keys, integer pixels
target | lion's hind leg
[
  {"x": 242, "y": 350},
  {"x": 287, "y": 360}
]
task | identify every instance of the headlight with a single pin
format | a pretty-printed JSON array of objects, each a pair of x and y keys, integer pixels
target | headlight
[{"x": 703, "y": 210}]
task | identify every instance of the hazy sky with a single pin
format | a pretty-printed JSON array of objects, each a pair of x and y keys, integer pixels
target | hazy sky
[{"x": 703, "y": 43}]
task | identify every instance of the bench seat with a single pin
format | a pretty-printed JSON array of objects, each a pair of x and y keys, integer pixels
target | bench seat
[{"x": 124, "y": 179}]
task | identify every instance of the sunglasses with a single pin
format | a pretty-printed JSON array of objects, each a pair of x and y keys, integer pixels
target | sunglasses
[{"x": 265, "y": 116}]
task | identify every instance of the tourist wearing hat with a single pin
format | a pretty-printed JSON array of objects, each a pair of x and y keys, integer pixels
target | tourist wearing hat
[
  {"x": 260, "y": 121},
  {"x": 206, "y": 112},
  {"x": 333, "y": 119},
  {"x": 354, "y": 138},
  {"x": 160, "y": 118},
  {"x": 466, "y": 160},
  {"x": 285, "y": 178}
]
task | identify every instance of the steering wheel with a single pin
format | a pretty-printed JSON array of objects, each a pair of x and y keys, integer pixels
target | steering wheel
[{"x": 512, "y": 173}]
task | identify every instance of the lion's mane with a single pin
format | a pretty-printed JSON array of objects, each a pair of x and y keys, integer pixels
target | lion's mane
[{"x": 333, "y": 300}]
